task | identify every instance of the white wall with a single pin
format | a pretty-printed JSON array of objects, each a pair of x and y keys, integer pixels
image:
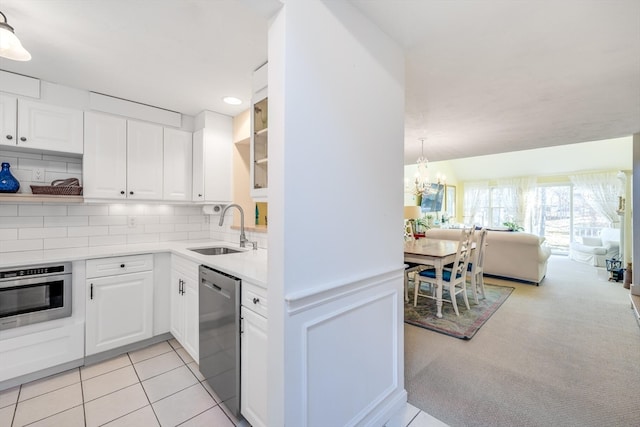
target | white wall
[
  {"x": 336, "y": 101},
  {"x": 634, "y": 204},
  {"x": 610, "y": 154}
]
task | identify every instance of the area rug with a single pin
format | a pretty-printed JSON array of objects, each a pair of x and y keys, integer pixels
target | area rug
[{"x": 468, "y": 323}]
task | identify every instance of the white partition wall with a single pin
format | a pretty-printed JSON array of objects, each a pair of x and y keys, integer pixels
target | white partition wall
[{"x": 336, "y": 106}]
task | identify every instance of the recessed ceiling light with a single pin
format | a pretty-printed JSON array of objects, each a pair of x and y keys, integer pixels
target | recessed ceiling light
[{"x": 232, "y": 100}]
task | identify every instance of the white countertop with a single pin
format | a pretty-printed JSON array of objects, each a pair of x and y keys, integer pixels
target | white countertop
[{"x": 247, "y": 265}]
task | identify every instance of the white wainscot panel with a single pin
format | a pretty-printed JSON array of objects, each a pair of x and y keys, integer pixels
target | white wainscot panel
[{"x": 338, "y": 371}]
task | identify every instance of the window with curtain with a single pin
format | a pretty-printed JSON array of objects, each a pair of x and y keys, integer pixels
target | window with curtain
[{"x": 562, "y": 213}]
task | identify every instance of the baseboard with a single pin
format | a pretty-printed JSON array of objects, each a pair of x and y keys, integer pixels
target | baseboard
[{"x": 635, "y": 305}]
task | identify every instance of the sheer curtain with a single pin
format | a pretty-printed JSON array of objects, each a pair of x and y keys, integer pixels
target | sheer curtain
[
  {"x": 473, "y": 192},
  {"x": 518, "y": 196},
  {"x": 601, "y": 192}
]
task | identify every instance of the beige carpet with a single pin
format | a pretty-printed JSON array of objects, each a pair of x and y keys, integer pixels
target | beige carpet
[{"x": 566, "y": 353}]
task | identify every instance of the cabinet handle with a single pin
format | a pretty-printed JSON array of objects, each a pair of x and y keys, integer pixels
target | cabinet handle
[
  {"x": 122, "y": 192},
  {"x": 256, "y": 300},
  {"x": 131, "y": 192},
  {"x": 91, "y": 292},
  {"x": 9, "y": 137},
  {"x": 121, "y": 265},
  {"x": 23, "y": 139},
  {"x": 181, "y": 287},
  {"x": 199, "y": 195}
]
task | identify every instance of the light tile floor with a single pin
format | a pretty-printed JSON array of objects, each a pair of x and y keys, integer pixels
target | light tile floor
[{"x": 159, "y": 385}]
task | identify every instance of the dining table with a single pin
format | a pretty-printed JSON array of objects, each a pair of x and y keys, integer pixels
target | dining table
[{"x": 432, "y": 252}]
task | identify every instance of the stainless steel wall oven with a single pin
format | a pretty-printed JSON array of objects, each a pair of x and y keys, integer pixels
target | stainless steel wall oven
[{"x": 34, "y": 294}]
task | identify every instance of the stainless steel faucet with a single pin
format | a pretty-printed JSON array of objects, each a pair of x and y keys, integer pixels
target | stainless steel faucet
[{"x": 243, "y": 237}]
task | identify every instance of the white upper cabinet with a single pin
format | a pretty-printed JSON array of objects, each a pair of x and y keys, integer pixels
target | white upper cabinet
[
  {"x": 144, "y": 160},
  {"x": 212, "y": 158},
  {"x": 122, "y": 159},
  {"x": 104, "y": 163},
  {"x": 259, "y": 152},
  {"x": 177, "y": 165},
  {"x": 8, "y": 120},
  {"x": 34, "y": 125}
]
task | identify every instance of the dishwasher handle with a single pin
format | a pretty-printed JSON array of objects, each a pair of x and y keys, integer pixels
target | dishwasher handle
[{"x": 215, "y": 288}]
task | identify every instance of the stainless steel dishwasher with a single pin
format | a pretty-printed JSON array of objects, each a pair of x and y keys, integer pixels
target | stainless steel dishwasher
[{"x": 220, "y": 334}]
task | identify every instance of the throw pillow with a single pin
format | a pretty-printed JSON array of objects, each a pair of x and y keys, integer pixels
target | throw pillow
[{"x": 592, "y": 241}]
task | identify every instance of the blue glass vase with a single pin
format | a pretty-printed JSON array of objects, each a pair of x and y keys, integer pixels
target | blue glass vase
[{"x": 8, "y": 182}]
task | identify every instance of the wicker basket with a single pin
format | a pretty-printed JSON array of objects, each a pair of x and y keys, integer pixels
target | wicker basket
[{"x": 59, "y": 187}]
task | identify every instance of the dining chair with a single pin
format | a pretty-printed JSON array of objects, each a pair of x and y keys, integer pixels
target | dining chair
[
  {"x": 476, "y": 265},
  {"x": 455, "y": 277},
  {"x": 410, "y": 267}
]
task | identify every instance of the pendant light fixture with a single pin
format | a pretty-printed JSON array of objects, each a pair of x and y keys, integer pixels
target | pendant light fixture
[
  {"x": 422, "y": 177},
  {"x": 10, "y": 46}
]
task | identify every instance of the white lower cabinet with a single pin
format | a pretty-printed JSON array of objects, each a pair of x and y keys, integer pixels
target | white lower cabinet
[
  {"x": 119, "y": 308},
  {"x": 253, "y": 361},
  {"x": 184, "y": 304}
]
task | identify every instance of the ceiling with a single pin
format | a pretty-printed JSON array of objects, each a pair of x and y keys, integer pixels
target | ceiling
[{"x": 481, "y": 77}]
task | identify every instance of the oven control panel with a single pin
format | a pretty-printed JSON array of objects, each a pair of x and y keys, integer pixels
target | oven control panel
[{"x": 35, "y": 271}]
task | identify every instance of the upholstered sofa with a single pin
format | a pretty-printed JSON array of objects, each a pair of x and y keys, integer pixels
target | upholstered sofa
[
  {"x": 596, "y": 250},
  {"x": 512, "y": 255}
]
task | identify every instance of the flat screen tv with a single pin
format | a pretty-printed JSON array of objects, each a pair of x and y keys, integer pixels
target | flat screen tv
[{"x": 432, "y": 198}]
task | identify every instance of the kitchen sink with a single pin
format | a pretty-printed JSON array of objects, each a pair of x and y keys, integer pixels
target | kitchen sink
[{"x": 215, "y": 250}]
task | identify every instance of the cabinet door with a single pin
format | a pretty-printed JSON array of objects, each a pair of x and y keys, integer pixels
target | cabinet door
[
  {"x": 177, "y": 165},
  {"x": 104, "y": 164},
  {"x": 144, "y": 161},
  {"x": 259, "y": 151},
  {"x": 197, "y": 194},
  {"x": 49, "y": 127},
  {"x": 253, "y": 400},
  {"x": 8, "y": 117},
  {"x": 119, "y": 311},
  {"x": 177, "y": 307},
  {"x": 213, "y": 154},
  {"x": 191, "y": 315}
]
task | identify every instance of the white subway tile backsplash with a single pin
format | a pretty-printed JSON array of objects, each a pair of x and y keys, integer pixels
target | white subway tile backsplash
[
  {"x": 8, "y": 209},
  {"x": 59, "y": 227},
  {"x": 21, "y": 154},
  {"x": 159, "y": 228},
  {"x": 42, "y": 210},
  {"x": 42, "y": 232},
  {"x": 188, "y": 210},
  {"x": 69, "y": 242},
  {"x": 20, "y": 245},
  {"x": 164, "y": 210},
  {"x": 174, "y": 219},
  {"x": 197, "y": 235},
  {"x": 143, "y": 238},
  {"x": 9, "y": 234},
  {"x": 107, "y": 240},
  {"x": 75, "y": 168},
  {"x": 167, "y": 237},
  {"x": 66, "y": 221},
  {"x": 188, "y": 227},
  {"x": 125, "y": 229},
  {"x": 87, "y": 231},
  {"x": 21, "y": 221},
  {"x": 88, "y": 210},
  {"x": 70, "y": 160},
  {"x": 148, "y": 219},
  {"x": 197, "y": 219},
  {"x": 108, "y": 220},
  {"x": 122, "y": 209},
  {"x": 47, "y": 165}
]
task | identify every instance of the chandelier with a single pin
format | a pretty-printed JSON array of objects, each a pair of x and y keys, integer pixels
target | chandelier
[{"x": 422, "y": 175}]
